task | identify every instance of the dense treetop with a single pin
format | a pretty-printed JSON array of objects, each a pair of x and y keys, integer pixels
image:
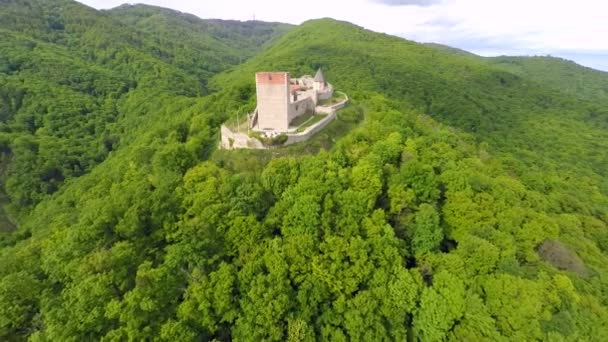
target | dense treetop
[{"x": 456, "y": 197}]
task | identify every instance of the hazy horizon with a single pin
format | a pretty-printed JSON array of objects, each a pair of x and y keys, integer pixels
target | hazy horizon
[{"x": 491, "y": 28}]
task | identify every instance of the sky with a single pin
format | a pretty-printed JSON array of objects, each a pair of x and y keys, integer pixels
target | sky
[{"x": 572, "y": 29}]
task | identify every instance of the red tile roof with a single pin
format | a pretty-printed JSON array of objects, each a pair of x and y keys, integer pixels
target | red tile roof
[{"x": 271, "y": 77}]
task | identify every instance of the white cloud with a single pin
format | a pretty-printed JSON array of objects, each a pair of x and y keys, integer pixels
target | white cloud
[
  {"x": 556, "y": 27},
  {"x": 540, "y": 24},
  {"x": 408, "y": 2}
]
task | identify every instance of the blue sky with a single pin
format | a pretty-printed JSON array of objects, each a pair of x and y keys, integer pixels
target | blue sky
[{"x": 576, "y": 30}]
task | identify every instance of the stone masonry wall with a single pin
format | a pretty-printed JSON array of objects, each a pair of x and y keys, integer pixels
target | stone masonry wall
[
  {"x": 293, "y": 138},
  {"x": 272, "y": 89},
  {"x": 300, "y": 107},
  {"x": 232, "y": 140},
  {"x": 324, "y": 95}
]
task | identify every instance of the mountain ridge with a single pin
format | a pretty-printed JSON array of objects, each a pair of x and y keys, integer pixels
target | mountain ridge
[{"x": 453, "y": 199}]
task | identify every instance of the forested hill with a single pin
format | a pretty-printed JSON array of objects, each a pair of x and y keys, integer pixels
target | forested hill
[
  {"x": 239, "y": 40},
  {"x": 553, "y": 72},
  {"x": 455, "y": 198},
  {"x": 559, "y": 74},
  {"x": 526, "y": 115},
  {"x": 76, "y": 83}
]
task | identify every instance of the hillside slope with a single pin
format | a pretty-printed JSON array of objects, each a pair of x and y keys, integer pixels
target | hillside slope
[
  {"x": 559, "y": 74},
  {"x": 522, "y": 115},
  {"x": 196, "y": 43},
  {"x": 464, "y": 202},
  {"x": 76, "y": 84}
]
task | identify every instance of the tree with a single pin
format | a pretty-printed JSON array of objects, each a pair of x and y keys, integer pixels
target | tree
[
  {"x": 18, "y": 303},
  {"x": 210, "y": 303},
  {"x": 441, "y": 306},
  {"x": 427, "y": 233}
]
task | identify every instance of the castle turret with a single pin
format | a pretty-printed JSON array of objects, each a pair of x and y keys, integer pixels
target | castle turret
[{"x": 319, "y": 81}]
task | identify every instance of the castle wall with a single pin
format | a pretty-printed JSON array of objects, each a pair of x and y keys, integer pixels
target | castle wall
[
  {"x": 294, "y": 138},
  {"x": 326, "y": 94},
  {"x": 272, "y": 90},
  {"x": 300, "y": 107},
  {"x": 236, "y": 140}
]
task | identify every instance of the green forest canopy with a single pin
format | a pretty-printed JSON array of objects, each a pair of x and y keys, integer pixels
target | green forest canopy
[{"x": 456, "y": 198}]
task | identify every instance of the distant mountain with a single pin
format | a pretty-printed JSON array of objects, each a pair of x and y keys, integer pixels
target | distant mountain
[
  {"x": 559, "y": 74},
  {"x": 449, "y": 49},
  {"x": 456, "y": 197},
  {"x": 183, "y": 33}
]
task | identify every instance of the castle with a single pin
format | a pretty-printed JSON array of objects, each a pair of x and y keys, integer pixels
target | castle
[
  {"x": 280, "y": 99},
  {"x": 288, "y": 111}
]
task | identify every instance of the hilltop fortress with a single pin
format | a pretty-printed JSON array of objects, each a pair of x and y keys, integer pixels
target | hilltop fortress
[
  {"x": 288, "y": 111},
  {"x": 280, "y": 99}
]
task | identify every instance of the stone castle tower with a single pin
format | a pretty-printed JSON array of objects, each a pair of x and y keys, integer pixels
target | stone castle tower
[
  {"x": 290, "y": 109},
  {"x": 281, "y": 99},
  {"x": 272, "y": 90}
]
